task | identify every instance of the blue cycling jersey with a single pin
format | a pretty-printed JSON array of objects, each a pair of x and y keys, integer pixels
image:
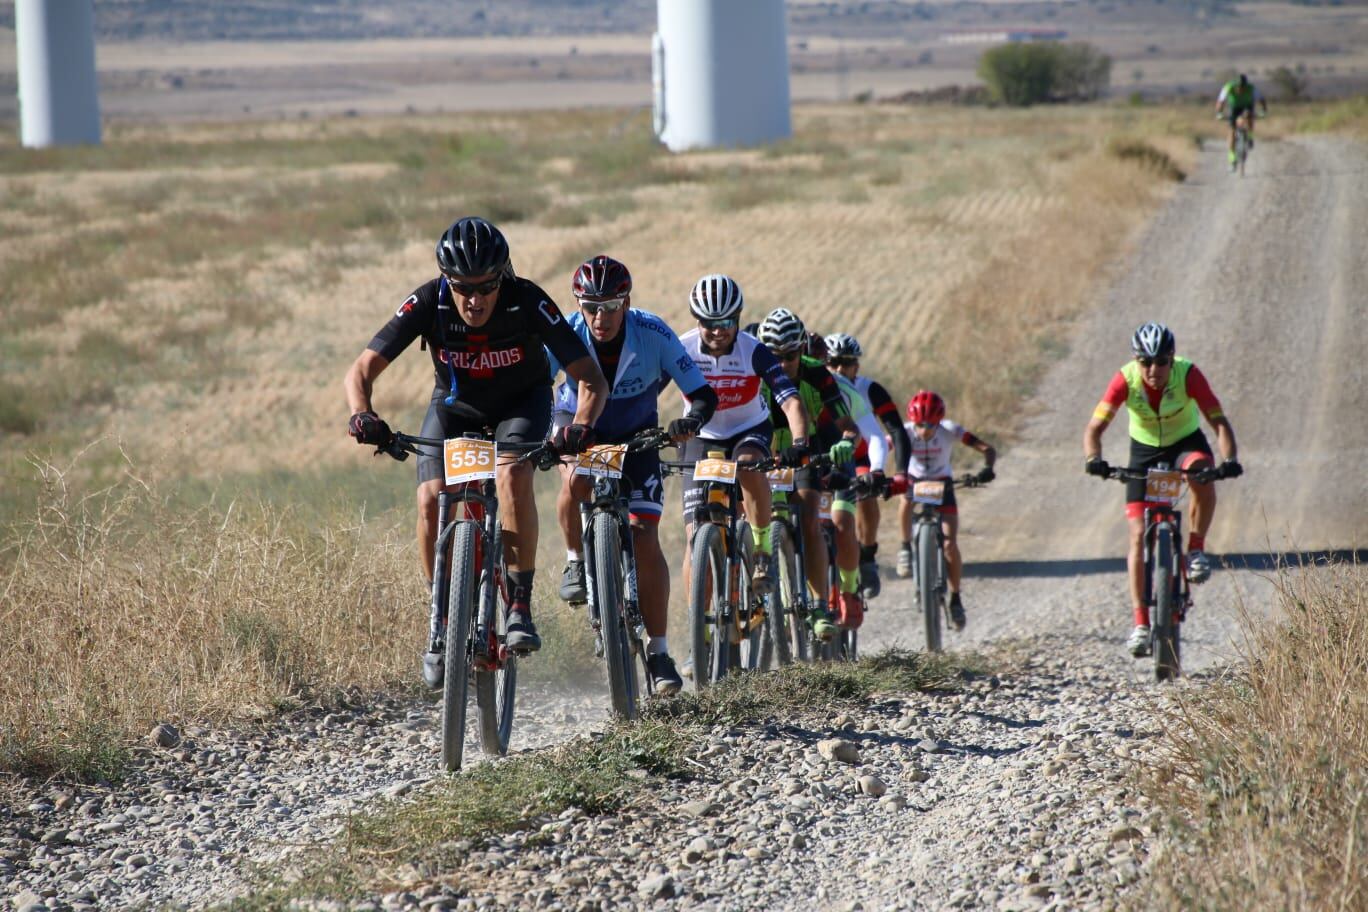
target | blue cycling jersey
[{"x": 651, "y": 357}]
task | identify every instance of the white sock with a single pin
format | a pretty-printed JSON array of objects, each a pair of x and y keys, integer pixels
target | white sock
[
  {"x": 574, "y": 555},
  {"x": 657, "y": 646}
]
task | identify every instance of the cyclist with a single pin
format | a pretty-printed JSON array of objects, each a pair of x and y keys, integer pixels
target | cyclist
[
  {"x": 1165, "y": 397},
  {"x": 843, "y": 358},
  {"x": 485, "y": 328},
  {"x": 1237, "y": 98},
  {"x": 933, "y": 441},
  {"x": 834, "y": 432},
  {"x": 639, "y": 355},
  {"x": 736, "y": 365}
]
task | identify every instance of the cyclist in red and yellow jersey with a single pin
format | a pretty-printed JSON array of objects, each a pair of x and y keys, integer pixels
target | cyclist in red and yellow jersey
[{"x": 1165, "y": 397}]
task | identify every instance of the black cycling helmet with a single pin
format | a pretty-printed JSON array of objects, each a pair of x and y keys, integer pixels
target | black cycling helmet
[
  {"x": 1153, "y": 340},
  {"x": 600, "y": 278},
  {"x": 473, "y": 247},
  {"x": 1244, "y": 80}
]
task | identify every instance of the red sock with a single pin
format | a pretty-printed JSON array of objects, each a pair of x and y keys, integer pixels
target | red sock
[
  {"x": 1196, "y": 542},
  {"x": 1142, "y": 615}
]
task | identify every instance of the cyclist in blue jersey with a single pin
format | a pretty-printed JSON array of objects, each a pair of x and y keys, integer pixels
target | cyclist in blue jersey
[{"x": 639, "y": 355}]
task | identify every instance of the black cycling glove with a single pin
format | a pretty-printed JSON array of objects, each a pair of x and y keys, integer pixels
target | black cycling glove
[
  {"x": 370, "y": 428},
  {"x": 1097, "y": 466},
  {"x": 985, "y": 475},
  {"x": 1231, "y": 468},
  {"x": 684, "y": 427},
  {"x": 796, "y": 456},
  {"x": 572, "y": 439}
]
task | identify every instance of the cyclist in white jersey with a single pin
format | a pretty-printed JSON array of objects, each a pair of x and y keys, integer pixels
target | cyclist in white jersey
[
  {"x": 933, "y": 439},
  {"x": 735, "y": 364}
]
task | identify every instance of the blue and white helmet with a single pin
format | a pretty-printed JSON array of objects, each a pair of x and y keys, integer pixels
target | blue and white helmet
[{"x": 1153, "y": 340}]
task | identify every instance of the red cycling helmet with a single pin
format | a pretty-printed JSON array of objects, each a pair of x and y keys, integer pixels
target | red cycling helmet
[
  {"x": 925, "y": 408},
  {"x": 601, "y": 278}
]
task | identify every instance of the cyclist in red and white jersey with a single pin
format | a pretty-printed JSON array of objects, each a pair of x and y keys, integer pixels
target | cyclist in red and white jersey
[
  {"x": 933, "y": 438},
  {"x": 735, "y": 364},
  {"x": 843, "y": 357}
]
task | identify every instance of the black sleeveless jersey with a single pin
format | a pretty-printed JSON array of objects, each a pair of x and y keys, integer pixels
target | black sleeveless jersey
[{"x": 483, "y": 368}]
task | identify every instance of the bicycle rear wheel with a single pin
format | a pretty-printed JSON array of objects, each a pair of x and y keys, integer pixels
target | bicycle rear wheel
[
  {"x": 1164, "y": 628},
  {"x": 460, "y": 613},
  {"x": 707, "y": 595},
  {"x": 495, "y": 688},
  {"x": 928, "y": 584},
  {"x": 608, "y": 589}
]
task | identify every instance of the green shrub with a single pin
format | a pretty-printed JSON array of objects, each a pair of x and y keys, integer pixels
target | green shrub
[{"x": 1030, "y": 73}]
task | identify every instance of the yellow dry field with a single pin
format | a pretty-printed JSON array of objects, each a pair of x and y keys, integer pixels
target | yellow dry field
[{"x": 180, "y": 306}]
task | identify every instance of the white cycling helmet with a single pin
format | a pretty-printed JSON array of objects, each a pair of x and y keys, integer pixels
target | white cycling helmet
[
  {"x": 1152, "y": 340},
  {"x": 716, "y": 297},
  {"x": 843, "y": 345},
  {"x": 782, "y": 331}
]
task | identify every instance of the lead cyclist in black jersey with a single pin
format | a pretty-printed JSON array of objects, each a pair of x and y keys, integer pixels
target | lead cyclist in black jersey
[{"x": 485, "y": 329}]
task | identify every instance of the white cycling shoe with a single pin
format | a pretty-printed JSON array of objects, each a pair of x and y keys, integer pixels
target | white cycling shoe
[
  {"x": 1138, "y": 643},
  {"x": 1198, "y": 567}
]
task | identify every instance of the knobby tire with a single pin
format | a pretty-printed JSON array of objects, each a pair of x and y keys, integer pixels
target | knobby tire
[
  {"x": 1165, "y": 622},
  {"x": 608, "y": 591},
  {"x": 495, "y": 691},
  {"x": 707, "y": 586},
  {"x": 781, "y": 610},
  {"x": 745, "y": 654},
  {"x": 460, "y": 611},
  {"x": 928, "y": 573}
]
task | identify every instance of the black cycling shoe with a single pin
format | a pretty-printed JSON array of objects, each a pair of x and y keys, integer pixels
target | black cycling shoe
[
  {"x": 572, "y": 587},
  {"x": 870, "y": 585},
  {"x": 665, "y": 677},
  {"x": 434, "y": 669},
  {"x": 957, "y": 618},
  {"x": 521, "y": 635}
]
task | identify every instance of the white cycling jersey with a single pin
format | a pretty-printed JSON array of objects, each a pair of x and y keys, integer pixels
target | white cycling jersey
[
  {"x": 736, "y": 378},
  {"x": 931, "y": 458}
]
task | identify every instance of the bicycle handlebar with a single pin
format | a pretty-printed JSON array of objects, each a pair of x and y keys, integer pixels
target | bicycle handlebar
[{"x": 1204, "y": 475}]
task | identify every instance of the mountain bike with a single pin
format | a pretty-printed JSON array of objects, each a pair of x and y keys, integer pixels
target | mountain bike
[
  {"x": 726, "y": 617},
  {"x": 1243, "y": 144},
  {"x": 1166, "y": 585},
  {"x": 928, "y": 552},
  {"x": 610, "y": 569},
  {"x": 469, "y": 607}
]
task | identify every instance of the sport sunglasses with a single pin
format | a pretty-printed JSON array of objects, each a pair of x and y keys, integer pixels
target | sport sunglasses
[
  {"x": 1161, "y": 361},
  {"x": 728, "y": 323},
  {"x": 468, "y": 290},
  {"x": 611, "y": 305}
]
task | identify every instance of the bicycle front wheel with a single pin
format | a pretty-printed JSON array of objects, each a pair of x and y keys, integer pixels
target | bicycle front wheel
[
  {"x": 745, "y": 652},
  {"x": 460, "y": 614},
  {"x": 607, "y": 583},
  {"x": 928, "y": 583},
  {"x": 495, "y": 686},
  {"x": 782, "y": 602},
  {"x": 1165, "y": 620},
  {"x": 707, "y": 595}
]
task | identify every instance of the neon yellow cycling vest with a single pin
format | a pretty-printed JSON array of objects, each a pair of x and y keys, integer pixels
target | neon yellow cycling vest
[{"x": 1178, "y": 415}]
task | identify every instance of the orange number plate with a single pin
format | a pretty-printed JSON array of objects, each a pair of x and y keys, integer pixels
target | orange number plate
[
  {"x": 468, "y": 460},
  {"x": 1163, "y": 487},
  {"x": 781, "y": 479},
  {"x": 602, "y": 461},
  {"x": 722, "y": 471},
  {"x": 929, "y": 492}
]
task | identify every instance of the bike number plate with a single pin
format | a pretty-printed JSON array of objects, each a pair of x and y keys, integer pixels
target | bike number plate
[
  {"x": 722, "y": 471},
  {"x": 824, "y": 500},
  {"x": 928, "y": 492},
  {"x": 1163, "y": 487},
  {"x": 468, "y": 459},
  {"x": 781, "y": 479},
  {"x": 602, "y": 461}
]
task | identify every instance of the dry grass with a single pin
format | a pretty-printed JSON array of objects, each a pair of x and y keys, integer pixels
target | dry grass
[
  {"x": 229, "y": 273},
  {"x": 1266, "y": 772}
]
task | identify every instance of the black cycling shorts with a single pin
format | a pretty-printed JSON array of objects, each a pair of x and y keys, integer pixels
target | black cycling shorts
[
  {"x": 1180, "y": 455},
  {"x": 526, "y": 420},
  {"x": 696, "y": 448},
  {"x": 1235, "y": 113}
]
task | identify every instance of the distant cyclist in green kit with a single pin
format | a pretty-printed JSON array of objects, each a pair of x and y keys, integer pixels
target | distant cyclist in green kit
[{"x": 1237, "y": 99}]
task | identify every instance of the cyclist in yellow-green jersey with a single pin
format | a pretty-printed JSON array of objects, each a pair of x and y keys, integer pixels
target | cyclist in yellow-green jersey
[{"x": 1238, "y": 98}]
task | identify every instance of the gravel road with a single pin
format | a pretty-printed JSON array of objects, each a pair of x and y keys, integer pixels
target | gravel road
[{"x": 1012, "y": 795}]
